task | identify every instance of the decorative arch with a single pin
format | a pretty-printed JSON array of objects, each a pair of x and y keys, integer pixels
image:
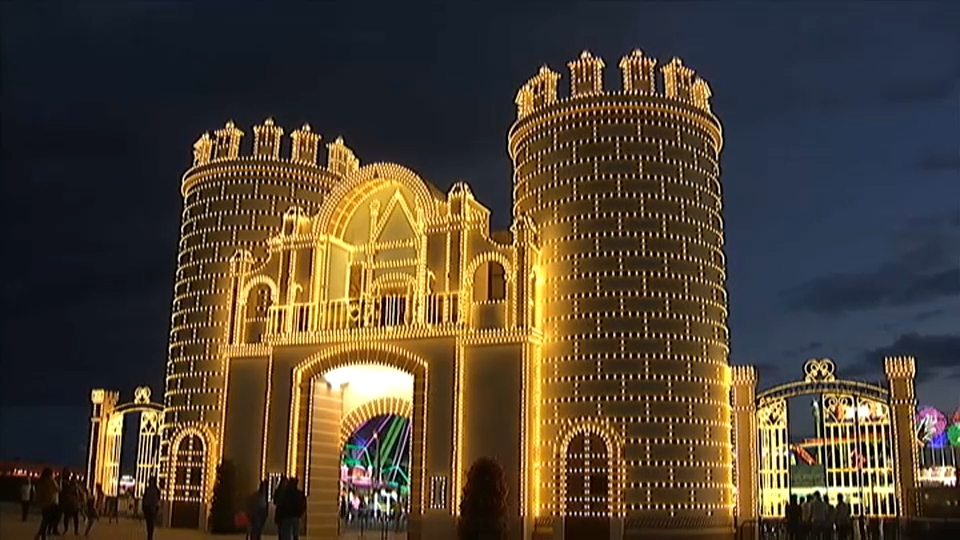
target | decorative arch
[
  {"x": 471, "y": 270},
  {"x": 613, "y": 443},
  {"x": 394, "y": 278},
  {"x": 820, "y": 378},
  {"x": 107, "y": 438},
  {"x": 248, "y": 327},
  {"x": 257, "y": 281},
  {"x": 343, "y": 200},
  {"x": 355, "y": 419},
  {"x": 857, "y": 420}
]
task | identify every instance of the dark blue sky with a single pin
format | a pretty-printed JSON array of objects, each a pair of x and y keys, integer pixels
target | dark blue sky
[{"x": 841, "y": 167}]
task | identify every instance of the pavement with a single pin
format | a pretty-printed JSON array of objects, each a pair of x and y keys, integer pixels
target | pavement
[{"x": 11, "y": 528}]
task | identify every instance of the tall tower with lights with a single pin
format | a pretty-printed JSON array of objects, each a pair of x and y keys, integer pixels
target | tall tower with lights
[
  {"x": 622, "y": 189},
  {"x": 234, "y": 199}
]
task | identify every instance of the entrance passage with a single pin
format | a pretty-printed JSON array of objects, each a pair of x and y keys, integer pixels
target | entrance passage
[
  {"x": 375, "y": 475},
  {"x": 361, "y": 451}
]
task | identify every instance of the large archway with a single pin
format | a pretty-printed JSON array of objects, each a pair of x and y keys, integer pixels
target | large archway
[
  {"x": 863, "y": 446},
  {"x": 335, "y": 394}
]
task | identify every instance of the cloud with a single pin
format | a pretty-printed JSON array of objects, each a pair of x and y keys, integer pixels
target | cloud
[
  {"x": 937, "y": 356},
  {"x": 926, "y": 268},
  {"x": 939, "y": 162}
]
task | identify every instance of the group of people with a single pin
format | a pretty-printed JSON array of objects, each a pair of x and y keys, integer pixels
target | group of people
[
  {"x": 290, "y": 504},
  {"x": 65, "y": 497},
  {"x": 816, "y": 519}
]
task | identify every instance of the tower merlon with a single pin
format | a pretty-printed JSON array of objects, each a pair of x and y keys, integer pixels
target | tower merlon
[
  {"x": 638, "y": 74},
  {"x": 586, "y": 75},
  {"x": 266, "y": 140},
  {"x": 340, "y": 158},
  {"x": 898, "y": 367},
  {"x": 305, "y": 144},
  {"x": 744, "y": 374},
  {"x": 539, "y": 91}
]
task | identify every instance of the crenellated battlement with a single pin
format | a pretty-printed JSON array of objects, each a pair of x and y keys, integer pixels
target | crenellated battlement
[
  {"x": 900, "y": 367},
  {"x": 225, "y": 144},
  {"x": 638, "y": 75},
  {"x": 743, "y": 374}
]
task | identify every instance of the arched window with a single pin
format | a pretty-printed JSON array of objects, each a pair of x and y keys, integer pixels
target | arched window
[
  {"x": 490, "y": 283},
  {"x": 256, "y": 314},
  {"x": 532, "y": 301},
  {"x": 587, "y": 476}
]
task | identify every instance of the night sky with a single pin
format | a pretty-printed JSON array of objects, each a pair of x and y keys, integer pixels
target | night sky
[{"x": 841, "y": 167}]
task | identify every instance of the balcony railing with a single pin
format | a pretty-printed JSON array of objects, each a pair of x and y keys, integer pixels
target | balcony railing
[{"x": 380, "y": 312}]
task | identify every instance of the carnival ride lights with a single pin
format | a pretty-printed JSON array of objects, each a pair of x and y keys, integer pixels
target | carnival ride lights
[
  {"x": 953, "y": 434},
  {"x": 381, "y": 448},
  {"x": 931, "y": 424}
]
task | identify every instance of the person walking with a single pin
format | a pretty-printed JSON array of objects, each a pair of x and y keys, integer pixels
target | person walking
[
  {"x": 94, "y": 503},
  {"x": 277, "y": 496},
  {"x": 258, "y": 509},
  {"x": 291, "y": 507},
  {"x": 70, "y": 502},
  {"x": 819, "y": 517},
  {"x": 151, "y": 506},
  {"x": 27, "y": 492},
  {"x": 842, "y": 520},
  {"x": 48, "y": 499}
]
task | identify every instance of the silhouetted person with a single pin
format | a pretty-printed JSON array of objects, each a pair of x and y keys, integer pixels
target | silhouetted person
[
  {"x": 48, "y": 499},
  {"x": 258, "y": 509},
  {"x": 277, "y": 495},
  {"x": 69, "y": 502},
  {"x": 94, "y": 505},
  {"x": 151, "y": 506},
  {"x": 842, "y": 519},
  {"x": 26, "y": 497},
  {"x": 819, "y": 517},
  {"x": 290, "y": 508},
  {"x": 792, "y": 518}
]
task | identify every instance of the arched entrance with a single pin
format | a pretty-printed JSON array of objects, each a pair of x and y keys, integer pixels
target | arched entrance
[
  {"x": 589, "y": 486},
  {"x": 337, "y": 392},
  {"x": 863, "y": 449}
]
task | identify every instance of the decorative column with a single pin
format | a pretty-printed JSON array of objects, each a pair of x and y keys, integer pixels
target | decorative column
[
  {"x": 900, "y": 372},
  {"x": 103, "y": 403},
  {"x": 744, "y": 401}
]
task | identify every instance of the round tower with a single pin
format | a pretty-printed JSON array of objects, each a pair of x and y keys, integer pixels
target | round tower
[
  {"x": 232, "y": 201},
  {"x": 623, "y": 190}
]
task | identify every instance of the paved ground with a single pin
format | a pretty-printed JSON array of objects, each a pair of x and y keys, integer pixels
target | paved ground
[{"x": 11, "y": 528}]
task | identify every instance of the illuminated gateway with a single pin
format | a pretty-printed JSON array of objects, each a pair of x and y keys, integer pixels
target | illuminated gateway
[{"x": 585, "y": 348}]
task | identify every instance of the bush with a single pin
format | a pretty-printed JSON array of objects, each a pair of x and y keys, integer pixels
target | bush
[
  {"x": 483, "y": 507},
  {"x": 227, "y": 500}
]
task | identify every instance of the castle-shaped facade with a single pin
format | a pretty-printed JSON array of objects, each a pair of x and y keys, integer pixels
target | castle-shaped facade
[{"x": 585, "y": 348}]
